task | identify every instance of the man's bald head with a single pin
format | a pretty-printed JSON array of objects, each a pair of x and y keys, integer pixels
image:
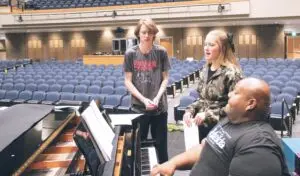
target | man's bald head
[
  {"x": 257, "y": 89},
  {"x": 249, "y": 100},
  {"x": 260, "y": 91}
]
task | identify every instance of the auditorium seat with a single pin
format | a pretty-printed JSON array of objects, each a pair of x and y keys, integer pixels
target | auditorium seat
[
  {"x": 43, "y": 87},
  {"x": 171, "y": 87},
  {"x": 2, "y": 94},
  {"x": 125, "y": 105},
  {"x": 290, "y": 90},
  {"x": 277, "y": 83},
  {"x": 29, "y": 81},
  {"x": 62, "y": 82},
  {"x": 23, "y": 96},
  {"x": 268, "y": 78},
  {"x": 51, "y": 81},
  {"x": 51, "y": 98},
  {"x": 276, "y": 119},
  {"x": 282, "y": 78},
  {"x": 107, "y": 90},
  {"x": 180, "y": 109},
  {"x": 121, "y": 90},
  {"x": 74, "y": 82},
  {"x": 7, "y": 86},
  {"x": 67, "y": 96},
  {"x": 109, "y": 83},
  {"x": 68, "y": 88},
  {"x": 79, "y": 77},
  {"x": 82, "y": 97},
  {"x": 10, "y": 96},
  {"x": 80, "y": 89},
  {"x": 19, "y": 80},
  {"x": 40, "y": 81},
  {"x": 111, "y": 102},
  {"x": 97, "y": 83},
  {"x": 275, "y": 90},
  {"x": 94, "y": 89},
  {"x": 55, "y": 88},
  {"x": 85, "y": 82},
  {"x": 37, "y": 97},
  {"x": 19, "y": 86}
]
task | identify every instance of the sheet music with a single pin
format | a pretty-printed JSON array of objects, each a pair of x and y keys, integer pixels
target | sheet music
[
  {"x": 101, "y": 132},
  {"x": 100, "y": 117},
  {"x": 123, "y": 119},
  {"x": 97, "y": 111},
  {"x": 191, "y": 135}
]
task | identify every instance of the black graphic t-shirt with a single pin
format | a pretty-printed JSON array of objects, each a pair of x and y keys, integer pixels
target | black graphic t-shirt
[
  {"x": 147, "y": 73},
  {"x": 246, "y": 149}
]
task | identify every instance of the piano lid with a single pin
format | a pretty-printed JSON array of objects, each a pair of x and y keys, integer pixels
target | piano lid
[{"x": 17, "y": 119}]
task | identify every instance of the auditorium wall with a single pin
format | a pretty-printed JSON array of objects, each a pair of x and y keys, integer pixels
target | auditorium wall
[
  {"x": 250, "y": 41},
  {"x": 261, "y": 41}
]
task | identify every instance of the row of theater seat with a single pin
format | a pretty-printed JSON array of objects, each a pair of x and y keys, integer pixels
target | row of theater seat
[
  {"x": 94, "y": 89},
  {"x": 12, "y": 63},
  {"x": 62, "y": 82},
  {"x": 40, "y": 4},
  {"x": 111, "y": 102}
]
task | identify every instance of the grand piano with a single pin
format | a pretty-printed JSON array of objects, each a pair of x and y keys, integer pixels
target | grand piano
[{"x": 47, "y": 143}]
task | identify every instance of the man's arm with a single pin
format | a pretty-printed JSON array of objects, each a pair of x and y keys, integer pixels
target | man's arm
[
  {"x": 183, "y": 161},
  {"x": 163, "y": 87}
]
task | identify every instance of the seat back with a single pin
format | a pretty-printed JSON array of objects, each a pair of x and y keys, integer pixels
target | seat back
[
  {"x": 113, "y": 100},
  {"x": 52, "y": 96},
  {"x": 38, "y": 95},
  {"x": 67, "y": 96},
  {"x": 12, "y": 94},
  {"x": 25, "y": 95}
]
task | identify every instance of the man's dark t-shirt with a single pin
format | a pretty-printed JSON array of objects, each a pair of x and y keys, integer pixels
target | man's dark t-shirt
[
  {"x": 147, "y": 74},
  {"x": 246, "y": 149}
]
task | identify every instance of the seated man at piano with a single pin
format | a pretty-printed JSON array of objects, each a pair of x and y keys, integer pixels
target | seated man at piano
[{"x": 241, "y": 144}]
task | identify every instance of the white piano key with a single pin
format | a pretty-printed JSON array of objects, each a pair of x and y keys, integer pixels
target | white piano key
[{"x": 152, "y": 160}]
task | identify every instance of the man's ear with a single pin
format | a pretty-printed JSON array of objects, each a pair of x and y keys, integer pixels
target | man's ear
[{"x": 251, "y": 104}]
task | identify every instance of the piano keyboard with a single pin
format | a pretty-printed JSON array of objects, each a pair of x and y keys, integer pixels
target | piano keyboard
[{"x": 148, "y": 160}]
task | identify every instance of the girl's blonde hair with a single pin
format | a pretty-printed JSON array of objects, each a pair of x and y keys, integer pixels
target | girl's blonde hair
[{"x": 225, "y": 42}]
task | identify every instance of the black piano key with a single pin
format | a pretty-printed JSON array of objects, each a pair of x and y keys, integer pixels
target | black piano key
[
  {"x": 144, "y": 149},
  {"x": 146, "y": 172},
  {"x": 145, "y": 167},
  {"x": 145, "y": 162},
  {"x": 145, "y": 158}
]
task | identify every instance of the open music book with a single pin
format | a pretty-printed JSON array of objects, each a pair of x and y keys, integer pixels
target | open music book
[{"x": 100, "y": 131}]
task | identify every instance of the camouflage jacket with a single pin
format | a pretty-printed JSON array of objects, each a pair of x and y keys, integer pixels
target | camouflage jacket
[{"x": 213, "y": 93}]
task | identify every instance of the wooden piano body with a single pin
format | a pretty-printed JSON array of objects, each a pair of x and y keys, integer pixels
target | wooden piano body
[
  {"x": 44, "y": 147},
  {"x": 48, "y": 148}
]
